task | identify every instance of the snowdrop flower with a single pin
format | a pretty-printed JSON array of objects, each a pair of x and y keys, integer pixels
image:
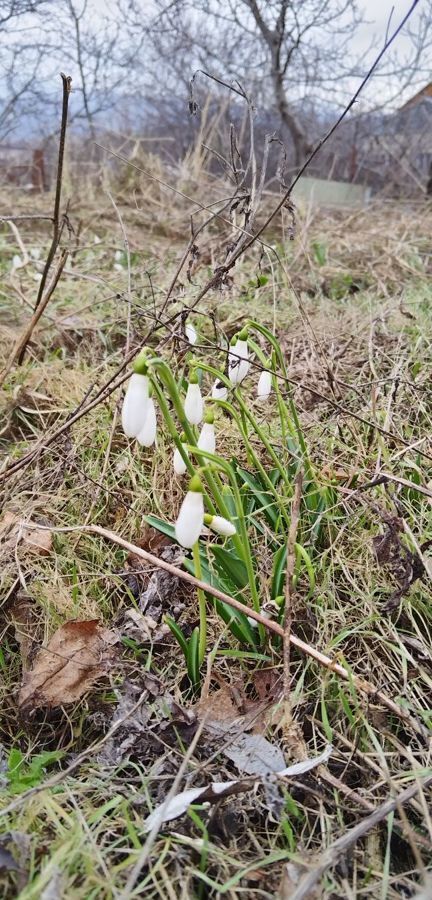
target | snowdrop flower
[
  {"x": 219, "y": 391},
  {"x": 118, "y": 267},
  {"x": 238, "y": 358},
  {"x": 219, "y": 525},
  {"x": 118, "y": 255},
  {"x": 178, "y": 461},
  {"x": 191, "y": 333},
  {"x": 207, "y": 439},
  {"x": 16, "y": 262},
  {"x": 264, "y": 385},
  {"x": 97, "y": 239},
  {"x": 35, "y": 253},
  {"x": 190, "y": 519},
  {"x": 194, "y": 405},
  {"x": 147, "y": 435},
  {"x": 135, "y": 404}
]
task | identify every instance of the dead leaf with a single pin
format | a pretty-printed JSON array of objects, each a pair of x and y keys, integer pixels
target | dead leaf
[
  {"x": 38, "y": 540},
  {"x": 77, "y": 655},
  {"x": 7, "y": 522},
  {"x": 214, "y": 791},
  {"x": 251, "y": 753},
  {"x": 221, "y": 704},
  {"x": 293, "y": 872}
]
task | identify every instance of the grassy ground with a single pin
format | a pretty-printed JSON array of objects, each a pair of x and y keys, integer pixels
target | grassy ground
[{"x": 351, "y": 299}]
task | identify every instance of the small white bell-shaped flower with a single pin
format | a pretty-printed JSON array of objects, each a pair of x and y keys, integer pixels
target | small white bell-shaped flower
[
  {"x": 191, "y": 333},
  {"x": 219, "y": 391},
  {"x": 134, "y": 409},
  {"x": 207, "y": 438},
  {"x": 190, "y": 519},
  {"x": 194, "y": 405},
  {"x": 264, "y": 385},
  {"x": 17, "y": 262},
  {"x": 219, "y": 525},
  {"x": 178, "y": 461},
  {"x": 238, "y": 358},
  {"x": 147, "y": 435}
]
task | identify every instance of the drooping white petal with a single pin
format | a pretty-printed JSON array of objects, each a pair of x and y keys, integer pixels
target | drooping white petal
[
  {"x": 191, "y": 333},
  {"x": 207, "y": 438},
  {"x": 134, "y": 409},
  {"x": 118, "y": 267},
  {"x": 222, "y": 526},
  {"x": 147, "y": 435},
  {"x": 178, "y": 462},
  {"x": 194, "y": 406},
  {"x": 16, "y": 262},
  {"x": 264, "y": 385},
  {"x": 118, "y": 255},
  {"x": 190, "y": 519},
  {"x": 238, "y": 362},
  {"x": 238, "y": 370},
  {"x": 219, "y": 391}
]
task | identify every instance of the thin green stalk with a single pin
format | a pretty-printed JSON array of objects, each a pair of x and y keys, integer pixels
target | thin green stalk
[
  {"x": 201, "y": 603},
  {"x": 242, "y": 539}
]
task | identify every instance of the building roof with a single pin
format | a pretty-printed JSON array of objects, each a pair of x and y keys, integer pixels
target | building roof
[{"x": 419, "y": 96}]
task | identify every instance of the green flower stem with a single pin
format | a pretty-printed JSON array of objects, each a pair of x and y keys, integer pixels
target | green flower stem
[
  {"x": 240, "y": 540},
  {"x": 263, "y": 438},
  {"x": 201, "y": 603},
  {"x": 249, "y": 448},
  {"x": 171, "y": 386},
  {"x": 277, "y": 348},
  {"x": 257, "y": 463}
]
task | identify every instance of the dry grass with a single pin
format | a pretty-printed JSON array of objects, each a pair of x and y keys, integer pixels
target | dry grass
[{"x": 351, "y": 297}]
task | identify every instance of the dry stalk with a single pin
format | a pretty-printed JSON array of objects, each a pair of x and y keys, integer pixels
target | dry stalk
[{"x": 24, "y": 338}]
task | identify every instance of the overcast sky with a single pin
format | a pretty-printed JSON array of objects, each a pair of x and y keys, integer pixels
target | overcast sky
[{"x": 377, "y": 12}]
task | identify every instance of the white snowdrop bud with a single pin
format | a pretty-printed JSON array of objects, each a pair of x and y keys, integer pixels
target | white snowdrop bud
[
  {"x": 238, "y": 358},
  {"x": 219, "y": 525},
  {"x": 178, "y": 461},
  {"x": 207, "y": 438},
  {"x": 16, "y": 262},
  {"x": 191, "y": 333},
  {"x": 134, "y": 408},
  {"x": 219, "y": 391},
  {"x": 194, "y": 406},
  {"x": 190, "y": 519},
  {"x": 147, "y": 434},
  {"x": 264, "y": 385}
]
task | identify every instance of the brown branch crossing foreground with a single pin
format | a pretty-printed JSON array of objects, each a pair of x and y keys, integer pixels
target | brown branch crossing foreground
[{"x": 360, "y": 684}]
